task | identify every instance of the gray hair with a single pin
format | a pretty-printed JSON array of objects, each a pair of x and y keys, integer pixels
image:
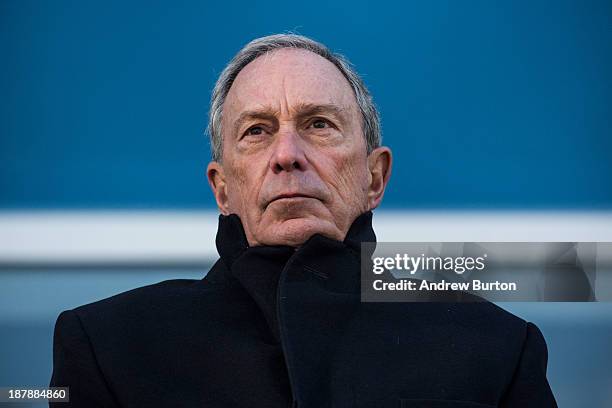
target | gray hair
[{"x": 259, "y": 46}]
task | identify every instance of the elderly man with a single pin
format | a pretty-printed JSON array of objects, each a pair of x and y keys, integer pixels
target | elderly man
[{"x": 277, "y": 322}]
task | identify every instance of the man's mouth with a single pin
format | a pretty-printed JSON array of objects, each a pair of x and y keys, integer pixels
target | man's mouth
[{"x": 289, "y": 196}]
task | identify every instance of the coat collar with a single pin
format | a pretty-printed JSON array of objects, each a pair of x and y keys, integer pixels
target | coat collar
[
  {"x": 231, "y": 239},
  {"x": 257, "y": 270}
]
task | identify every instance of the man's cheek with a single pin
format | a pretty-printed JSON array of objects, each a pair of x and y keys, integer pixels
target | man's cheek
[
  {"x": 351, "y": 176},
  {"x": 238, "y": 175}
]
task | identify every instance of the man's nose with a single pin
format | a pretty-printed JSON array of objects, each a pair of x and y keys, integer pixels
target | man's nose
[{"x": 288, "y": 152}]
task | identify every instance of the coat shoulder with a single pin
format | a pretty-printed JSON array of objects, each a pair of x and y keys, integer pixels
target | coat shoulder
[
  {"x": 461, "y": 310},
  {"x": 152, "y": 305}
]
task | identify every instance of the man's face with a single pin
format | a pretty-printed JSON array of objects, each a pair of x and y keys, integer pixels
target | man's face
[{"x": 294, "y": 159}]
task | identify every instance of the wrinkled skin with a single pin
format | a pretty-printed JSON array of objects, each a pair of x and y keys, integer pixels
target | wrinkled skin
[{"x": 294, "y": 158}]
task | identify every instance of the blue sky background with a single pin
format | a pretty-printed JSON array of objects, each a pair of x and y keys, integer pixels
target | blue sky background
[{"x": 487, "y": 105}]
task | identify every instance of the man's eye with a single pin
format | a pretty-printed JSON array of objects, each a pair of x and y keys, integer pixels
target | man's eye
[
  {"x": 254, "y": 131},
  {"x": 319, "y": 124}
]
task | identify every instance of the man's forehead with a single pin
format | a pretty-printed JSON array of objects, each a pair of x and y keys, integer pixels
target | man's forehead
[{"x": 289, "y": 79}]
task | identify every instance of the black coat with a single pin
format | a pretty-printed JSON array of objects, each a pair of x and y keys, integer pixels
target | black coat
[{"x": 279, "y": 327}]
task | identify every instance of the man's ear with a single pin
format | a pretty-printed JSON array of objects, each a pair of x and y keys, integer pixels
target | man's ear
[
  {"x": 379, "y": 164},
  {"x": 216, "y": 179}
]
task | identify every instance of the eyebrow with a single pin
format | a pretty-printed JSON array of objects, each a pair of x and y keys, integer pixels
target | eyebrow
[
  {"x": 308, "y": 109},
  {"x": 303, "y": 110},
  {"x": 266, "y": 113}
]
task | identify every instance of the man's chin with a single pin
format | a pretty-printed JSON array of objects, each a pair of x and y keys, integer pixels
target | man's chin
[{"x": 295, "y": 231}]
